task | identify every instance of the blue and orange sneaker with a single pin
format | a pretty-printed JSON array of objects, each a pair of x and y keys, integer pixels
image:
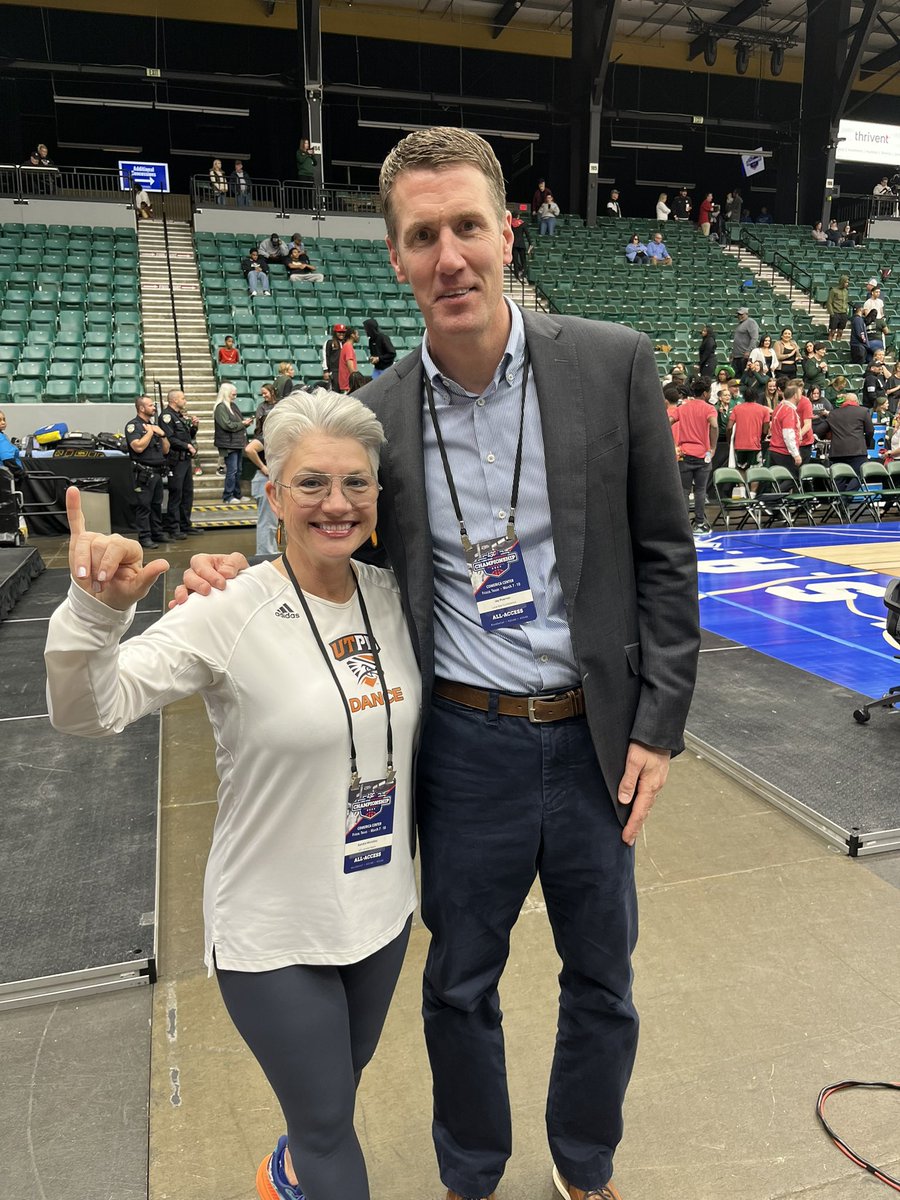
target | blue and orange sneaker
[{"x": 271, "y": 1181}]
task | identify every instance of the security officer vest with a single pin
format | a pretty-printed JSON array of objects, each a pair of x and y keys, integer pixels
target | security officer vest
[
  {"x": 152, "y": 454},
  {"x": 179, "y": 431}
]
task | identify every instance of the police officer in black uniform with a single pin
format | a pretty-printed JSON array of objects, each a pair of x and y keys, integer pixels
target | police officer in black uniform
[
  {"x": 148, "y": 447},
  {"x": 180, "y": 432}
]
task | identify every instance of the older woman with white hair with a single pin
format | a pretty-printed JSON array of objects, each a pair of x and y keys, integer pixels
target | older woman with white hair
[
  {"x": 311, "y": 685},
  {"x": 230, "y": 438}
]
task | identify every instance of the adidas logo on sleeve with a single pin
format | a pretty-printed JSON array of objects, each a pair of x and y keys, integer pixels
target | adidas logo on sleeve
[{"x": 286, "y": 611}]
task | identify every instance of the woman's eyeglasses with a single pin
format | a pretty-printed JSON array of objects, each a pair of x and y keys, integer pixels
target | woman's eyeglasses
[{"x": 313, "y": 488}]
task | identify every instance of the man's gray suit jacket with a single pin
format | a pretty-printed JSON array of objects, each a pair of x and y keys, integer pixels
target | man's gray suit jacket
[{"x": 623, "y": 542}]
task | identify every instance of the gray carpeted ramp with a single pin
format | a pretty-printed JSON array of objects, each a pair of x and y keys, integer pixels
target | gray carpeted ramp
[
  {"x": 791, "y": 737},
  {"x": 78, "y": 829}
]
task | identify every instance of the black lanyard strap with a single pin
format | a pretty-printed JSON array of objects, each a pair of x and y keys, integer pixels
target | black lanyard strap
[
  {"x": 517, "y": 472},
  {"x": 354, "y": 772}
]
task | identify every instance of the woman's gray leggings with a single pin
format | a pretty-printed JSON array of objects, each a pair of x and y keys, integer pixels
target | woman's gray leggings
[{"x": 312, "y": 1030}]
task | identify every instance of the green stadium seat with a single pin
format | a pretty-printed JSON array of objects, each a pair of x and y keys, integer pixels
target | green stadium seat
[
  {"x": 124, "y": 391},
  {"x": 64, "y": 369},
  {"x": 91, "y": 370},
  {"x": 36, "y": 352},
  {"x": 94, "y": 389},
  {"x": 64, "y": 352},
  {"x": 61, "y": 389},
  {"x": 10, "y": 353},
  {"x": 31, "y": 370},
  {"x": 95, "y": 353},
  {"x": 25, "y": 390},
  {"x": 229, "y": 372},
  {"x": 42, "y": 335}
]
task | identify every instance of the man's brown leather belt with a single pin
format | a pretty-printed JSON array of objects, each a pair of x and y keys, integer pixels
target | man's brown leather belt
[{"x": 540, "y": 710}]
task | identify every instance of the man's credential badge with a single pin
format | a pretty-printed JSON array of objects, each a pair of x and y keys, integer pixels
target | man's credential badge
[{"x": 500, "y": 584}]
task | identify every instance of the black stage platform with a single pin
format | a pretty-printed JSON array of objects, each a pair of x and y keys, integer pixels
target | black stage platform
[
  {"x": 19, "y": 566},
  {"x": 78, "y": 830},
  {"x": 790, "y": 737}
]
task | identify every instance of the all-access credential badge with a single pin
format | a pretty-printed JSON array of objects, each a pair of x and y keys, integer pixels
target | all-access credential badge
[
  {"x": 370, "y": 825},
  {"x": 500, "y": 584}
]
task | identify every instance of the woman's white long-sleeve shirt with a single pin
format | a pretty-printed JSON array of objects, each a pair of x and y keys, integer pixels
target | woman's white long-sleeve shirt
[{"x": 276, "y": 892}]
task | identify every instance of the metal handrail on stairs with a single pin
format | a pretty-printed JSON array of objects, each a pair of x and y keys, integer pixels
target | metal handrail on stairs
[
  {"x": 776, "y": 264},
  {"x": 165, "y": 229}
]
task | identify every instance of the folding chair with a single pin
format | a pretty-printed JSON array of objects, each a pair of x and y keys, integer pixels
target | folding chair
[
  {"x": 816, "y": 484},
  {"x": 856, "y": 499},
  {"x": 769, "y": 496},
  {"x": 877, "y": 479},
  {"x": 798, "y": 503},
  {"x": 724, "y": 481}
]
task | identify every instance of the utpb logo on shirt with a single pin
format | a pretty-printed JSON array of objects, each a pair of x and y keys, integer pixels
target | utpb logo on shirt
[{"x": 357, "y": 652}]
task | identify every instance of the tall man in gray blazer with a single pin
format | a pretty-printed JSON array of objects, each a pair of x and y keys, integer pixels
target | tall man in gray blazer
[
  {"x": 544, "y": 738},
  {"x": 553, "y": 607}
]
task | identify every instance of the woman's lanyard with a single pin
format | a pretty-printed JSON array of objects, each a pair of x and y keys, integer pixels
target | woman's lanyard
[
  {"x": 354, "y": 773},
  {"x": 510, "y": 526}
]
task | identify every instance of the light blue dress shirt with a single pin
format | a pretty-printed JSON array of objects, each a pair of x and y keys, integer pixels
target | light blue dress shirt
[{"x": 480, "y": 435}]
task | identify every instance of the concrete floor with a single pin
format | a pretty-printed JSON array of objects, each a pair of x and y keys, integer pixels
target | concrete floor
[{"x": 768, "y": 966}]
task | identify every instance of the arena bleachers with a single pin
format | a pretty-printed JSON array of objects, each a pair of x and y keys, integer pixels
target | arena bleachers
[
  {"x": 70, "y": 322},
  {"x": 584, "y": 272},
  {"x": 292, "y": 324}
]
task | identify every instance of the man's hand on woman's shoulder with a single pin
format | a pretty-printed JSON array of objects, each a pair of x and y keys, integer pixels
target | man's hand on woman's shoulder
[{"x": 208, "y": 571}]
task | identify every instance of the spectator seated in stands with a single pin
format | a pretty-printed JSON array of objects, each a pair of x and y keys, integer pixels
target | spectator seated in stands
[
  {"x": 753, "y": 381},
  {"x": 140, "y": 198},
  {"x": 636, "y": 251},
  {"x": 240, "y": 185},
  {"x": 818, "y": 233},
  {"x": 9, "y": 453},
  {"x": 300, "y": 269},
  {"x": 833, "y": 234},
  {"x": 815, "y": 368},
  {"x": 849, "y": 236},
  {"x": 255, "y": 273},
  {"x": 273, "y": 250},
  {"x": 381, "y": 349},
  {"x": 656, "y": 249},
  {"x": 229, "y": 352},
  {"x": 547, "y": 214},
  {"x": 765, "y": 217}
]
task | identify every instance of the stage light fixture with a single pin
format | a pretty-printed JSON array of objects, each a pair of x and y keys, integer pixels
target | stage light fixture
[
  {"x": 776, "y": 63},
  {"x": 710, "y": 51},
  {"x": 741, "y": 58}
]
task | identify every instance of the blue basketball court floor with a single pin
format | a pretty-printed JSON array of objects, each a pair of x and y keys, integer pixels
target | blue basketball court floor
[{"x": 794, "y": 640}]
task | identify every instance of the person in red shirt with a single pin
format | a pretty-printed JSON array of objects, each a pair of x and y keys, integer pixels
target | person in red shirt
[
  {"x": 347, "y": 364},
  {"x": 698, "y": 431},
  {"x": 749, "y": 419},
  {"x": 784, "y": 432},
  {"x": 229, "y": 352},
  {"x": 805, "y": 413}
]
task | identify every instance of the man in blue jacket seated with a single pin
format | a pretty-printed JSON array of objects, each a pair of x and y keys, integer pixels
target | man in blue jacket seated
[{"x": 658, "y": 252}]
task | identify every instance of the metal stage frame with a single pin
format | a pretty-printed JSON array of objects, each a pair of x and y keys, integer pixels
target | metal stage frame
[{"x": 79, "y": 885}]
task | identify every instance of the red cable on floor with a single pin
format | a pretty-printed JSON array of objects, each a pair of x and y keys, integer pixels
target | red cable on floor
[{"x": 825, "y": 1094}]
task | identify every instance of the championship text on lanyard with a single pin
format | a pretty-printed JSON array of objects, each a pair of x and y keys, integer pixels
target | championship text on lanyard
[
  {"x": 503, "y": 595},
  {"x": 371, "y": 803}
]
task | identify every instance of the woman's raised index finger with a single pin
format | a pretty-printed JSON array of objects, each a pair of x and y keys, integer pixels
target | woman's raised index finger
[{"x": 74, "y": 513}]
